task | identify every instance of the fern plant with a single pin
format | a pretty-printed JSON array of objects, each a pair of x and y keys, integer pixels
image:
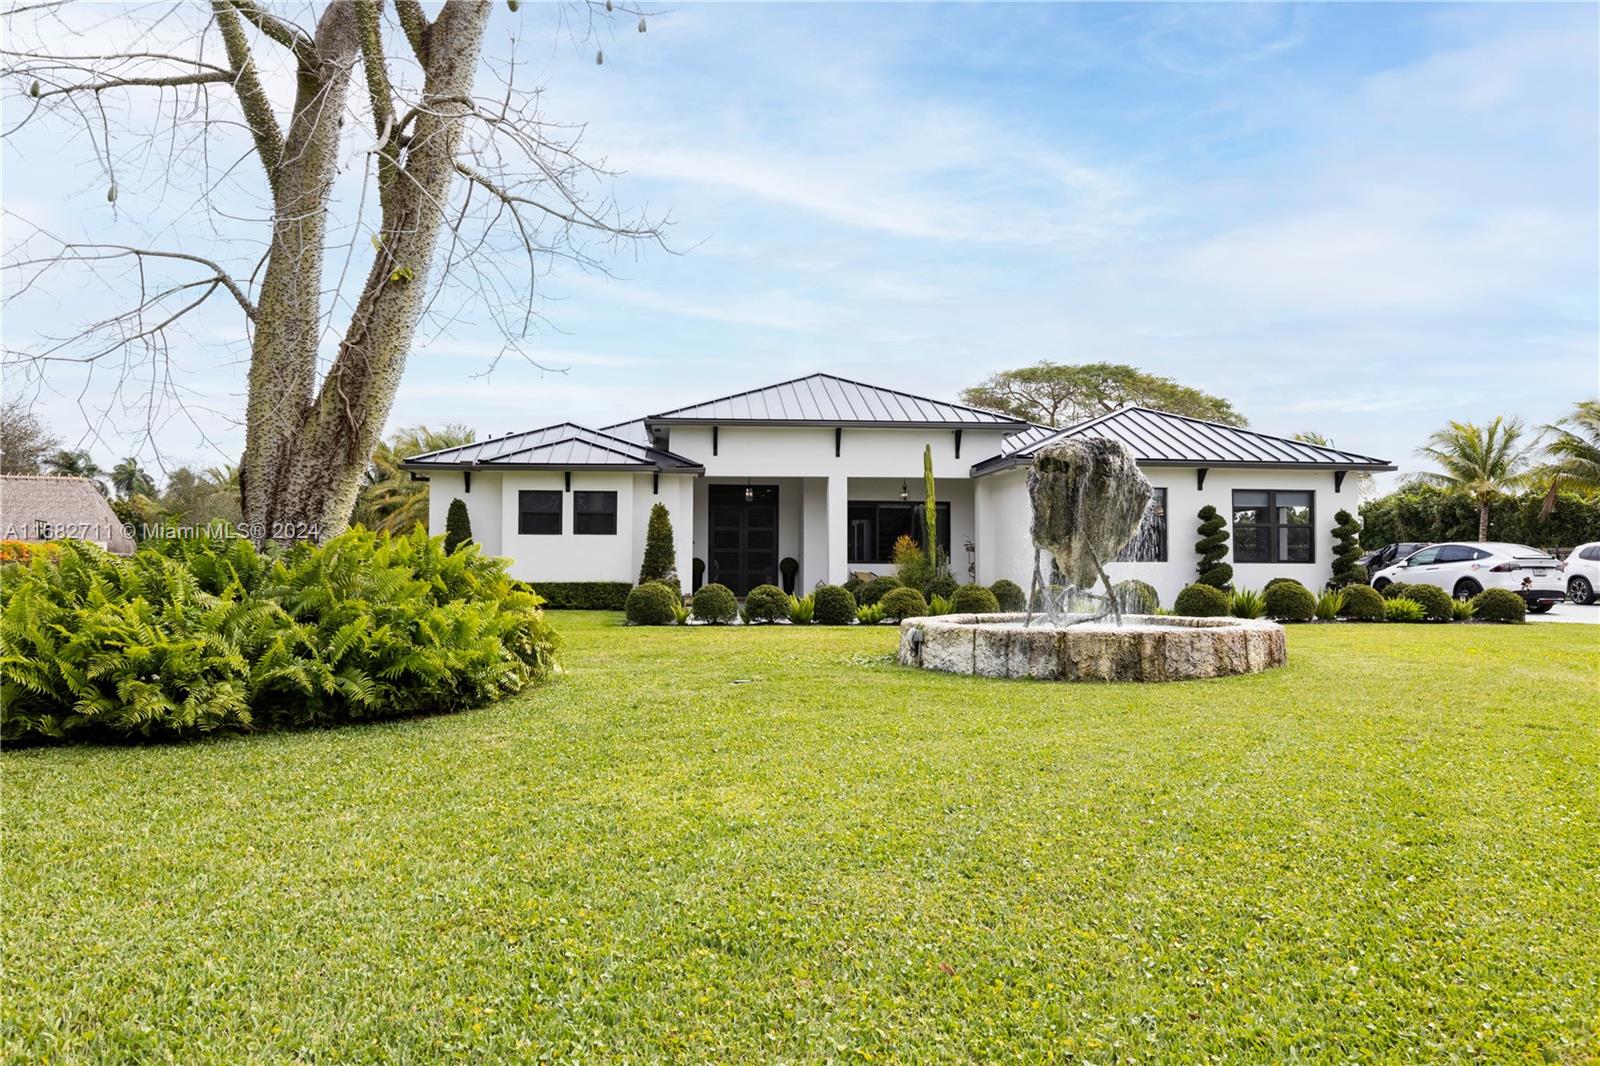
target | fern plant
[
  {"x": 1329, "y": 604},
  {"x": 801, "y": 609},
  {"x": 1246, "y": 603},
  {"x": 870, "y": 615}
]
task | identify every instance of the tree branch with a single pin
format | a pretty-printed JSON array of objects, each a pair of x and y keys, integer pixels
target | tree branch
[
  {"x": 414, "y": 23},
  {"x": 252, "y": 94},
  {"x": 285, "y": 33},
  {"x": 117, "y": 83}
]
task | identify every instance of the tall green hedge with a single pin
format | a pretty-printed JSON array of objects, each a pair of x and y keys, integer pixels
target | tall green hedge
[
  {"x": 457, "y": 526},
  {"x": 584, "y": 595},
  {"x": 1430, "y": 513},
  {"x": 1212, "y": 548},
  {"x": 660, "y": 559}
]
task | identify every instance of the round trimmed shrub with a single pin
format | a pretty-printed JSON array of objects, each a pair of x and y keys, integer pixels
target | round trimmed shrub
[
  {"x": 766, "y": 603},
  {"x": 651, "y": 604},
  {"x": 1436, "y": 602},
  {"x": 1362, "y": 603},
  {"x": 877, "y": 589},
  {"x": 1201, "y": 601},
  {"x": 714, "y": 604},
  {"x": 903, "y": 603},
  {"x": 833, "y": 606},
  {"x": 1289, "y": 601},
  {"x": 1136, "y": 597},
  {"x": 1396, "y": 589},
  {"x": 1275, "y": 582},
  {"x": 974, "y": 599},
  {"x": 1499, "y": 605},
  {"x": 1008, "y": 594},
  {"x": 943, "y": 585}
]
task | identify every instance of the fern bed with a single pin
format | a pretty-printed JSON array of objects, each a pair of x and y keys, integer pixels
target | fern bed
[{"x": 770, "y": 843}]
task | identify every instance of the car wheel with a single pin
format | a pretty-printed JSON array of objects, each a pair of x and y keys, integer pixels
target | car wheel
[
  {"x": 1381, "y": 584},
  {"x": 1539, "y": 608},
  {"x": 1580, "y": 591},
  {"x": 1467, "y": 588}
]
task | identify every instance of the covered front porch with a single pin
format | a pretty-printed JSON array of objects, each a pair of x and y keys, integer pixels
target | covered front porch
[{"x": 831, "y": 526}]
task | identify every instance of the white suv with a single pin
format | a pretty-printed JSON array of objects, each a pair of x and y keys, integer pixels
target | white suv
[
  {"x": 1466, "y": 569},
  {"x": 1582, "y": 570}
]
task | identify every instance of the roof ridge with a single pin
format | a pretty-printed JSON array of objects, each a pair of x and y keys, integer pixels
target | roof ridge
[
  {"x": 49, "y": 477},
  {"x": 1238, "y": 429},
  {"x": 842, "y": 380}
]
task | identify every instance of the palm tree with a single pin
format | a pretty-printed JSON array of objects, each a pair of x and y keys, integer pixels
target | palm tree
[
  {"x": 1480, "y": 461},
  {"x": 1574, "y": 452},
  {"x": 390, "y": 498},
  {"x": 129, "y": 479},
  {"x": 78, "y": 463}
]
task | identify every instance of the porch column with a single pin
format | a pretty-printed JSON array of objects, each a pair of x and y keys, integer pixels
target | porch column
[
  {"x": 838, "y": 529},
  {"x": 813, "y": 533}
]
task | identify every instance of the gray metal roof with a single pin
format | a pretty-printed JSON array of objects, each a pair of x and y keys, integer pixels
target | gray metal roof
[
  {"x": 1158, "y": 438},
  {"x": 823, "y": 399},
  {"x": 1027, "y": 438},
  {"x": 566, "y": 446}
]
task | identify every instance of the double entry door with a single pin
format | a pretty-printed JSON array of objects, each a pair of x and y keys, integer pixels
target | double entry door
[{"x": 743, "y": 525}]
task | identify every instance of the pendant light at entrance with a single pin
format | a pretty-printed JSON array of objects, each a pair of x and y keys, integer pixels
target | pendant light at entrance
[
  {"x": 905, "y": 493},
  {"x": 749, "y": 493}
]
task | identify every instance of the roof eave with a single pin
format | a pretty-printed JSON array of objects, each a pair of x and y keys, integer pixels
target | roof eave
[
  {"x": 834, "y": 423},
  {"x": 618, "y": 468},
  {"x": 1011, "y": 462}
]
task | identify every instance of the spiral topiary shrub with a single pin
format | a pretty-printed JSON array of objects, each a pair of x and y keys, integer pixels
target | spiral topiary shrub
[
  {"x": 651, "y": 604},
  {"x": 1008, "y": 594},
  {"x": 1201, "y": 601},
  {"x": 766, "y": 603},
  {"x": 1346, "y": 550},
  {"x": 902, "y": 603},
  {"x": 1289, "y": 601},
  {"x": 1499, "y": 605},
  {"x": 1212, "y": 547},
  {"x": 877, "y": 589},
  {"x": 714, "y": 604},
  {"x": 1436, "y": 602},
  {"x": 1136, "y": 597},
  {"x": 1362, "y": 603},
  {"x": 834, "y": 606},
  {"x": 974, "y": 599}
]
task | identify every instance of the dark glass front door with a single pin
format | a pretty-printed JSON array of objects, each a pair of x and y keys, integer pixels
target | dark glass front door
[{"x": 744, "y": 536}]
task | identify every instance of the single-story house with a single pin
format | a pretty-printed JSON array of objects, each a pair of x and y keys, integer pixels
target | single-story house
[
  {"x": 38, "y": 508},
  {"x": 828, "y": 472}
]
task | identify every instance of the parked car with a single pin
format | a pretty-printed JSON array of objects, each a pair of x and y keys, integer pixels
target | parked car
[
  {"x": 1389, "y": 554},
  {"x": 1466, "y": 569},
  {"x": 1582, "y": 569}
]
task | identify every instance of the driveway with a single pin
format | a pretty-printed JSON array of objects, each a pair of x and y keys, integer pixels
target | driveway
[{"x": 1569, "y": 612}]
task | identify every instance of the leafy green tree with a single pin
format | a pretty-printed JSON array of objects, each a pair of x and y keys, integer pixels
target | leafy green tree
[
  {"x": 130, "y": 479},
  {"x": 457, "y": 526},
  {"x": 390, "y": 498},
  {"x": 1480, "y": 462},
  {"x": 660, "y": 556},
  {"x": 76, "y": 463},
  {"x": 1213, "y": 548},
  {"x": 1058, "y": 394},
  {"x": 201, "y": 497}
]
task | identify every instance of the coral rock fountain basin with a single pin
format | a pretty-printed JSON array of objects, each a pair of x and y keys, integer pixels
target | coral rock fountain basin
[{"x": 1144, "y": 647}]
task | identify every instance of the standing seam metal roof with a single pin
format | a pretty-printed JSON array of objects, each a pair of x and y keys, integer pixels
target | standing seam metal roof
[
  {"x": 831, "y": 400},
  {"x": 563, "y": 445},
  {"x": 1162, "y": 437}
]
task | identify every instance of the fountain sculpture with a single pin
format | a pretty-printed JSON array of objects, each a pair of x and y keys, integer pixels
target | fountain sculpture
[{"x": 1089, "y": 498}]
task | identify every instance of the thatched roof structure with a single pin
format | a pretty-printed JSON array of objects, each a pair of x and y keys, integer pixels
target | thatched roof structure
[{"x": 54, "y": 508}]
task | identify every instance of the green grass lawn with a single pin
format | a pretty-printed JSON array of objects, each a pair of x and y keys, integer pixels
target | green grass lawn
[{"x": 776, "y": 844}]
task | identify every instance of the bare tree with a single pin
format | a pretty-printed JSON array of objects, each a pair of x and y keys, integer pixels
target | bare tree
[{"x": 430, "y": 155}]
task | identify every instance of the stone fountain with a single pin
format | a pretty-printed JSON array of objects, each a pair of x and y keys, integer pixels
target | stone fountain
[{"x": 1089, "y": 498}]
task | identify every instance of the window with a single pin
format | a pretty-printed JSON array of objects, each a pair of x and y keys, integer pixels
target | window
[
  {"x": 1149, "y": 543},
  {"x": 594, "y": 512},
  {"x": 1591, "y": 553},
  {"x": 538, "y": 511},
  {"x": 1272, "y": 527},
  {"x": 1459, "y": 553},
  {"x": 1425, "y": 557},
  {"x": 874, "y": 527}
]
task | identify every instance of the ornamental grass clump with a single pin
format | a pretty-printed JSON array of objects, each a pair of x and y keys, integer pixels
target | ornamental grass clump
[
  {"x": 1245, "y": 603},
  {"x": 802, "y": 609},
  {"x": 1329, "y": 604},
  {"x": 205, "y": 634},
  {"x": 1401, "y": 609}
]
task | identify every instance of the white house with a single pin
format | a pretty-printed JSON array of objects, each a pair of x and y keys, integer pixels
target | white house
[{"x": 828, "y": 472}]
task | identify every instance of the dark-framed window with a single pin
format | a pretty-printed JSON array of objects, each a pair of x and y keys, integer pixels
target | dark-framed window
[
  {"x": 1149, "y": 543},
  {"x": 1273, "y": 526},
  {"x": 875, "y": 526},
  {"x": 594, "y": 512},
  {"x": 539, "y": 511}
]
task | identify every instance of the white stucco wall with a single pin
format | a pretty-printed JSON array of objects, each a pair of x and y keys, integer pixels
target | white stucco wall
[
  {"x": 1005, "y": 549},
  {"x": 807, "y": 451},
  {"x": 483, "y": 505}
]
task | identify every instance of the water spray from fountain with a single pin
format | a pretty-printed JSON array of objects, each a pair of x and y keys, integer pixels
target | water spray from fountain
[{"x": 1089, "y": 498}]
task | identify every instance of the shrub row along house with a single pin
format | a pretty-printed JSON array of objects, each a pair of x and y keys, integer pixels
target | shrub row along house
[{"x": 828, "y": 472}]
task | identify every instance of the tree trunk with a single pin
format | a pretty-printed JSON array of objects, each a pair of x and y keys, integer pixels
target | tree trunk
[
  {"x": 1483, "y": 520},
  {"x": 306, "y": 448}
]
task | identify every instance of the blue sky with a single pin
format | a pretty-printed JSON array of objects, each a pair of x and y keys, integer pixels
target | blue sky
[{"x": 1357, "y": 219}]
